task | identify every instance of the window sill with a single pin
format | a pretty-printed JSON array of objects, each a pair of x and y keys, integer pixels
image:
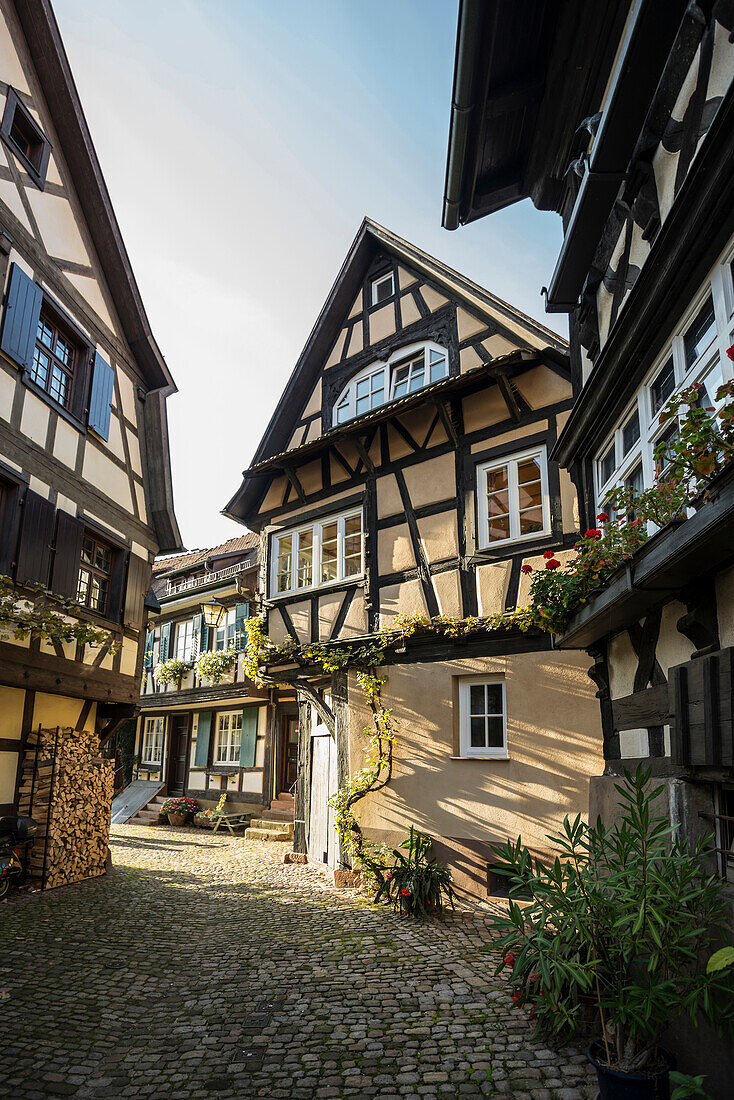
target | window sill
[
  {"x": 481, "y": 759},
  {"x": 306, "y": 593}
]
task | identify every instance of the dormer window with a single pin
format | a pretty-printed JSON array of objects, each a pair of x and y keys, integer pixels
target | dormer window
[
  {"x": 25, "y": 138},
  {"x": 405, "y": 372},
  {"x": 382, "y": 288}
]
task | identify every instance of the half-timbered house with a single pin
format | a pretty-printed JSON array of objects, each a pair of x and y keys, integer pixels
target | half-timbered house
[
  {"x": 621, "y": 119},
  {"x": 85, "y": 486},
  {"x": 204, "y": 736},
  {"x": 406, "y": 470}
]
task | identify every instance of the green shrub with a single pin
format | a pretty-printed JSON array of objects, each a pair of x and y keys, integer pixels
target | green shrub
[{"x": 417, "y": 885}]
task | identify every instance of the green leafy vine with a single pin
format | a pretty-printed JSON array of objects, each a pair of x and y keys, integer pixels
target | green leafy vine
[{"x": 47, "y": 616}]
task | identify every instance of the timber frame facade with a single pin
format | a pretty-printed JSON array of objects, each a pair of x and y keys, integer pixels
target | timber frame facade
[
  {"x": 85, "y": 484},
  {"x": 406, "y": 470},
  {"x": 195, "y": 737},
  {"x": 635, "y": 151}
]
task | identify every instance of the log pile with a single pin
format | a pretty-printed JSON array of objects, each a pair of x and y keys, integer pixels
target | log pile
[{"x": 66, "y": 787}]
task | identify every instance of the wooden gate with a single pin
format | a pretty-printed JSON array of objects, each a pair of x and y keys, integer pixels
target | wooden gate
[{"x": 322, "y": 838}]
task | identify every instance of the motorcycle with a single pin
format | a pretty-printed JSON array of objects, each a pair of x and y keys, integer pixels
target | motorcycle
[{"x": 15, "y": 832}]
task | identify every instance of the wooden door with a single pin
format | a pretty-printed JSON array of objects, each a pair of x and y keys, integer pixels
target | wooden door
[
  {"x": 322, "y": 839},
  {"x": 289, "y": 752},
  {"x": 178, "y": 746}
]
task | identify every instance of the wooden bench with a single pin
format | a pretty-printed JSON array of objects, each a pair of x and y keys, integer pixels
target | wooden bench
[{"x": 232, "y": 821}]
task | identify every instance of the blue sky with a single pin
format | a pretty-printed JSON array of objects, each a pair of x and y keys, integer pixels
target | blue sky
[{"x": 243, "y": 141}]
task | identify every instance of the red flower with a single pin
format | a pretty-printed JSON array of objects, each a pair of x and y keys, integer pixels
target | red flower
[
  {"x": 552, "y": 564},
  {"x": 405, "y": 892},
  {"x": 592, "y": 533},
  {"x": 603, "y": 517},
  {"x": 526, "y": 568},
  {"x": 516, "y": 999},
  {"x": 388, "y": 876},
  {"x": 548, "y": 554},
  {"x": 730, "y": 352},
  {"x": 509, "y": 958}
]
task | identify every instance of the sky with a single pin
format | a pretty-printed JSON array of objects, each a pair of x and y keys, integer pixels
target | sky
[{"x": 242, "y": 142}]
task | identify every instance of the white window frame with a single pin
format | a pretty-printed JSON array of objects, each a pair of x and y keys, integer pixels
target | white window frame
[
  {"x": 466, "y": 749},
  {"x": 316, "y": 528},
  {"x": 224, "y": 735},
  {"x": 347, "y": 399},
  {"x": 154, "y": 733},
  {"x": 389, "y": 276},
  {"x": 512, "y": 462},
  {"x": 185, "y": 631},
  {"x": 227, "y": 626},
  {"x": 711, "y": 368}
]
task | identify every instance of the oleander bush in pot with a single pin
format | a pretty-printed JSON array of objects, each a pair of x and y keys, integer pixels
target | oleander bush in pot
[
  {"x": 622, "y": 920},
  {"x": 417, "y": 884}
]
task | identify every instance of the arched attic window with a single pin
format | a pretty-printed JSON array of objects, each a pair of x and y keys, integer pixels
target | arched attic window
[{"x": 407, "y": 370}]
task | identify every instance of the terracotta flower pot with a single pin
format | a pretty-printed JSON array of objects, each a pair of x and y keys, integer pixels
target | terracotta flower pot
[{"x": 177, "y": 819}]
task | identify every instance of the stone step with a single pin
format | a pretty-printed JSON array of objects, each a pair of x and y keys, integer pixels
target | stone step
[
  {"x": 276, "y": 814},
  {"x": 146, "y": 817},
  {"x": 274, "y": 826},
  {"x": 268, "y": 834},
  {"x": 284, "y": 797}
]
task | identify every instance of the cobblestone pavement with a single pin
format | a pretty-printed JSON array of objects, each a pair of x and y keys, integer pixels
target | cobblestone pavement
[{"x": 204, "y": 967}]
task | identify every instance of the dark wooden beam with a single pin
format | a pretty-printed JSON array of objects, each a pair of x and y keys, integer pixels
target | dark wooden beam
[
  {"x": 362, "y": 452},
  {"x": 292, "y": 476}
]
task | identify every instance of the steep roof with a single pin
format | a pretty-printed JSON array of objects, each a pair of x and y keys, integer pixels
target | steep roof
[
  {"x": 178, "y": 563},
  {"x": 370, "y": 239}
]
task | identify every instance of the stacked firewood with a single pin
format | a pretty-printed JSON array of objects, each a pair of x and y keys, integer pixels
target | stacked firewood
[{"x": 66, "y": 787}]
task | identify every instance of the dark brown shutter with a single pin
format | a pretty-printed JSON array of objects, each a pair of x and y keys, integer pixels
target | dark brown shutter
[
  {"x": 117, "y": 584},
  {"x": 68, "y": 551},
  {"x": 36, "y": 535},
  {"x": 138, "y": 583},
  {"x": 10, "y": 510}
]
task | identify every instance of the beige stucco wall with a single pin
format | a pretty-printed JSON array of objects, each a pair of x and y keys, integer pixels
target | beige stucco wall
[{"x": 554, "y": 742}]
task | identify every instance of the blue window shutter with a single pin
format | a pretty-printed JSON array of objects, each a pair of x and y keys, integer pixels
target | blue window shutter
[
  {"x": 204, "y": 638},
  {"x": 249, "y": 737},
  {"x": 198, "y": 626},
  {"x": 241, "y": 614},
  {"x": 103, "y": 384},
  {"x": 165, "y": 646},
  {"x": 20, "y": 322},
  {"x": 203, "y": 734}
]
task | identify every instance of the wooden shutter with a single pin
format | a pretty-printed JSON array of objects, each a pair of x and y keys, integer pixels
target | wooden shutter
[
  {"x": 138, "y": 585},
  {"x": 241, "y": 614},
  {"x": 198, "y": 623},
  {"x": 702, "y": 693},
  {"x": 203, "y": 736},
  {"x": 117, "y": 584},
  {"x": 148, "y": 654},
  {"x": 165, "y": 646},
  {"x": 103, "y": 384},
  {"x": 248, "y": 743},
  {"x": 67, "y": 553},
  {"x": 20, "y": 321},
  {"x": 36, "y": 535},
  {"x": 204, "y": 637},
  {"x": 10, "y": 512}
]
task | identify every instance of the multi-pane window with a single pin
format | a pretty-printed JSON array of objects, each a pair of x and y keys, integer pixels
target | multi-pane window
[
  {"x": 93, "y": 583},
  {"x": 184, "y": 648},
  {"x": 512, "y": 497},
  {"x": 406, "y": 371},
  {"x": 153, "y": 740},
  {"x": 695, "y": 355},
  {"x": 383, "y": 288},
  {"x": 319, "y": 553},
  {"x": 482, "y": 717},
  {"x": 226, "y": 630},
  {"x": 53, "y": 363},
  {"x": 229, "y": 737}
]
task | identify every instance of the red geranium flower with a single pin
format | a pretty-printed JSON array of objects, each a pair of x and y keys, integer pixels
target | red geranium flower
[
  {"x": 405, "y": 892},
  {"x": 730, "y": 352},
  {"x": 592, "y": 533},
  {"x": 548, "y": 554},
  {"x": 552, "y": 564},
  {"x": 526, "y": 568},
  {"x": 603, "y": 517}
]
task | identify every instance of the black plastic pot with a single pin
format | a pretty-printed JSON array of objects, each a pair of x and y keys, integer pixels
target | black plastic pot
[{"x": 614, "y": 1085}]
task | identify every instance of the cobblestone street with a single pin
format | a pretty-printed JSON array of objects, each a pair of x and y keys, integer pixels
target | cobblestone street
[{"x": 205, "y": 967}]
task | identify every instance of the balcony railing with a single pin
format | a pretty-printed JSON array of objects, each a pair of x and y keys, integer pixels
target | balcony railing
[{"x": 175, "y": 586}]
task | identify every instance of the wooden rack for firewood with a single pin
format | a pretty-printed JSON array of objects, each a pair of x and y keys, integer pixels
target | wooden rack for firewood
[{"x": 66, "y": 787}]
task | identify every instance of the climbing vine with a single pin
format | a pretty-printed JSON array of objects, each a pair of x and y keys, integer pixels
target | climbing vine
[
  {"x": 45, "y": 615},
  {"x": 263, "y": 658}
]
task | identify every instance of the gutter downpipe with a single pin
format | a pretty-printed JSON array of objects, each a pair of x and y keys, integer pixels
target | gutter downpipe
[{"x": 462, "y": 107}]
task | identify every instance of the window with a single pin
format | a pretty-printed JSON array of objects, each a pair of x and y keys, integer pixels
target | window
[
  {"x": 25, "y": 138},
  {"x": 406, "y": 371},
  {"x": 184, "y": 650},
  {"x": 153, "y": 740},
  {"x": 482, "y": 717},
  {"x": 54, "y": 358},
  {"x": 700, "y": 332},
  {"x": 320, "y": 553},
  {"x": 226, "y": 631},
  {"x": 512, "y": 496},
  {"x": 725, "y": 831},
  {"x": 93, "y": 584},
  {"x": 229, "y": 738},
  {"x": 662, "y": 387},
  {"x": 382, "y": 288}
]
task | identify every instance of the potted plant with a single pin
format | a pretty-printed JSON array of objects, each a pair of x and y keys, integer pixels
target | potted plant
[
  {"x": 179, "y": 810},
  {"x": 171, "y": 671},
  {"x": 205, "y": 819},
  {"x": 417, "y": 885},
  {"x": 622, "y": 920},
  {"x": 214, "y": 664}
]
